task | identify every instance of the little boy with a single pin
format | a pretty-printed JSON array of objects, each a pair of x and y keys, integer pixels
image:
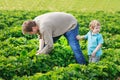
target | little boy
[{"x": 95, "y": 41}]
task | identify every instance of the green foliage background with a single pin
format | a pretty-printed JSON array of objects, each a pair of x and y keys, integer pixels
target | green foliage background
[
  {"x": 61, "y": 5},
  {"x": 17, "y": 51}
]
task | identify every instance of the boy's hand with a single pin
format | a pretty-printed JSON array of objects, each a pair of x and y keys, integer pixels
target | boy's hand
[
  {"x": 78, "y": 37},
  {"x": 93, "y": 54}
]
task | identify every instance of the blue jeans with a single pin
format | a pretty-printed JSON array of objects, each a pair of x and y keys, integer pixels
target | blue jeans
[{"x": 74, "y": 44}]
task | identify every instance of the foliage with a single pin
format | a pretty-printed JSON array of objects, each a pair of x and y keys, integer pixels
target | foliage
[{"x": 19, "y": 62}]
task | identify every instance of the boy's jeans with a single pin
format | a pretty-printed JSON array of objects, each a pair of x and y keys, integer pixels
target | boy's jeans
[
  {"x": 94, "y": 59},
  {"x": 74, "y": 43}
]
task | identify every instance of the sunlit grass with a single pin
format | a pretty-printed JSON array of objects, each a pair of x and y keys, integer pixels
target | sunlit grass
[{"x": 61, "y": 5}]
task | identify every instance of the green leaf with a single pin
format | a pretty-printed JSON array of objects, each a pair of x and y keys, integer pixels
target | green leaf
[{"x": 23, "y": 53}]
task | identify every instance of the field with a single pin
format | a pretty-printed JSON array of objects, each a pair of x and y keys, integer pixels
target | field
[
  {"x": 61, "y": 5},
  {"x": 17, "y": 51}
]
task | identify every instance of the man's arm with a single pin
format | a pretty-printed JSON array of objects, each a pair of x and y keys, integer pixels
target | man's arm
[
  {"x": 46, "y": 49},
  {"x": 46, "y": 43},
  {"x": 41, "y": 44}
]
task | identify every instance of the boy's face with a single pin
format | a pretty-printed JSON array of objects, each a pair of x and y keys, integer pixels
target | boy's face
[
  {"x": 34, "y": 30},
  {"x": 96, "y": 29}
]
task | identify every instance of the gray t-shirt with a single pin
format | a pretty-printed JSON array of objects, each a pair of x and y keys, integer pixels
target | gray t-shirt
[{"x": 54, "y": 24}]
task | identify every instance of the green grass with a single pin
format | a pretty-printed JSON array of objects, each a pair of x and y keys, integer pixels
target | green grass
[{"x": 61, "y": 5}]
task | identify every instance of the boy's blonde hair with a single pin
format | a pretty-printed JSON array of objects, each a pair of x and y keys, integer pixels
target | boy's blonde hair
[{"x": 94, "y": 23}]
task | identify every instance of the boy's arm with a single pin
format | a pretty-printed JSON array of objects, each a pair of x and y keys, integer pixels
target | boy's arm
[
  {"x": 100, "y": 42},
  {"x": 80, "y": 37},
  {"x": 96, "y": 49}
]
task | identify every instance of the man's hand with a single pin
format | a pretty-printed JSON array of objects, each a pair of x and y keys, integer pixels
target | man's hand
[{"x": 38, "y": 52}]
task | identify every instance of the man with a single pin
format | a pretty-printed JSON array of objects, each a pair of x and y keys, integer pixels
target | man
[{"x": 50, "y": 27}]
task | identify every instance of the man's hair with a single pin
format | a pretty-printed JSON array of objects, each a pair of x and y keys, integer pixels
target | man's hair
[
  {"x": 27, "y": 26},
  {"x": 93, "y": 24}
]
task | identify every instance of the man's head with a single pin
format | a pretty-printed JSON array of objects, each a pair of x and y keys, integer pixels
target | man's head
[{"x": 30, "y": 27}]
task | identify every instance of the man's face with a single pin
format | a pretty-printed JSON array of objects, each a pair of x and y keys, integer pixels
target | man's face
[{"x": 34, "y": 30}]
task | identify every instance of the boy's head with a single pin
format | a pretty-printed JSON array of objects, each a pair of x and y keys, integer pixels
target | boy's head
[
  {"x": 94, "y": 26},
  {"x": 30, "y": 27}
]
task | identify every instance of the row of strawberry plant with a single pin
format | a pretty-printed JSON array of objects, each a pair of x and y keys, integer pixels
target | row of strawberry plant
[
  {"x": 18, "y": 51},
  {"x": 109, "y": 21},
  {"x": 107, "y": 69},
  {"x": 27, "y": 63},
  {"x": 20, "y": 66}
]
